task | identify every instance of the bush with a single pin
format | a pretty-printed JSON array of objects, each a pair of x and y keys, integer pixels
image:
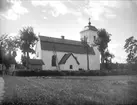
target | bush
[
  {"x": 57, "y": 73},
  {"x": 74, "y": 73}
]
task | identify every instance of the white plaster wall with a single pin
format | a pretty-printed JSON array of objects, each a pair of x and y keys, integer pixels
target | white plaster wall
[
  {"x": 47, "y": 57},
  {"x": 82, "y": 58},
  {"x": 38, "y": 49},
  {"x": 94, "y": 59},
  {"x": 90, "y": 35},
  {"x": 71, "y": 61}
]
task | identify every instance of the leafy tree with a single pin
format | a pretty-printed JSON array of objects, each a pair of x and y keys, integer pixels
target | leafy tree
[
  {"x": 131, "y": 48},
  {"x": 23, "y": 60},
  {"x": 3, "y": 58},
  {"x": 7, "y": 50},
  {"x": 28, "y": 39},
  {"x": 108, "y": 59},
  {"x": 11, "y": 48},
  {"x": 102, "y": 42}
]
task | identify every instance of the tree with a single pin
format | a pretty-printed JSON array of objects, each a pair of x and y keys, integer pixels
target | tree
[
  {"x": 3, "y": 58},
  {"x": 108, "y": 59},
  {"x": 28, "y": 39},
  {"x": 102, "y": 42},
  {"x": 131, "y": 48},
  {"x": 23, "y": 60},
  {"x": 8, "y": 48},
  {"x": 11, "y": 48},
  {"x": 86, "y": 46}
]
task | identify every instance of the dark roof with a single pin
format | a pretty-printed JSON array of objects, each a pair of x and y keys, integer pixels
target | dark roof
[
  {"x": 63, "y": 45},
  {"x": 65, "y": 57},
  {"x": 89, "y": 27},
  {"x": 36, "y": 61}
]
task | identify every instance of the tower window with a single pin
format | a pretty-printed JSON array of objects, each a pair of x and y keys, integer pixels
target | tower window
[
  {"x": 71, "y": 67},
  {"x": 53, "y": 60},
  {"x": 94, "y": 37}
]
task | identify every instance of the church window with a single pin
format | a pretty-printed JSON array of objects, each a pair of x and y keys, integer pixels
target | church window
[
  {"x": 71, "y": 67},
  {"x": 53, "y": 60},
  {"x": 94, "y": 37},
  {"x": 37, "y": 54}
]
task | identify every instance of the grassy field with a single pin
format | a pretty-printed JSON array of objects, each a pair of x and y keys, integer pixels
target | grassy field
[{"x": 98, "y": 90}]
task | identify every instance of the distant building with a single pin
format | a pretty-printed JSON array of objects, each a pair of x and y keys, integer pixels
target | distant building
[
  {"x": 35, "y": 64},
  {"x": 64, "y": 54}
]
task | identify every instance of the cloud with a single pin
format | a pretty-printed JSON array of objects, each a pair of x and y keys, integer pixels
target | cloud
[
  {"x": 119, "y": 59},
  {"x": 45, "y": 17},
  {"x": 57, "y": 7},
  {"x": 15, "y": 11},
  {"x": 81, "y": 20},
  {"x": 13, "y": 34},
  {"x": 117, "y": 49},
  {"x": 39, "y": 2},
  {"x": 4, "y": 5},
  {"x": 96, "y": 8}
]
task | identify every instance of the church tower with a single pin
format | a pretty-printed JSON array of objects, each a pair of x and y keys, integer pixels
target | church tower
[{"x": 89, "y": 33}]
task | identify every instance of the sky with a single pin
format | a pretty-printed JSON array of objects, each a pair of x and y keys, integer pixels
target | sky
[{"x": 55, "y": 18}]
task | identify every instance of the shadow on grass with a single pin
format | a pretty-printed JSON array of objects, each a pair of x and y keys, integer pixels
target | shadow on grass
[
  {"x": 16, "y": 100},
  {"x": 53, "y": 101}
]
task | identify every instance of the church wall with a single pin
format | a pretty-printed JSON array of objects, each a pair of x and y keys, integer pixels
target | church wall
[
  {"x": 82, "y": 58},
  {"x": 38, "y": 50},
  {"x": 90, "y": 34},
  {"x": 95, "y": 59},
  {"x": 71, "y": 61},
  {"x": 47, "y": 59}
]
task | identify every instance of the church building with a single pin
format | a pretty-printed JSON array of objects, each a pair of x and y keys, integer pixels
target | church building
[{"x": 64, "y": 54}]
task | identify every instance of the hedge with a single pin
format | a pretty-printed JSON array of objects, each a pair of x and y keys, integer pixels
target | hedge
[
  {"x": 55, "y": 73},
  {"x": 73, "y": 73}
]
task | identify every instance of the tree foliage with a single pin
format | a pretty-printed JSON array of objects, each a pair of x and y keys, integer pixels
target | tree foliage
[
  {"x": 28, "y": 39},
  {"x": 23, "y": 60},
  {"x": 108, "y": 57},
  {"x": 8, "y": 50},
  {"x": 102, "y": 43},
  {"x": 131, "y": 48}
]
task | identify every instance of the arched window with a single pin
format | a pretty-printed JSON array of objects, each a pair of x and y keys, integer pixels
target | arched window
[{"x": 53, "y": 60}]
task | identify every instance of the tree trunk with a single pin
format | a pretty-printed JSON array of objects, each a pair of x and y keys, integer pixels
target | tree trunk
[
  {"x": 102, "y": 61},
  {"x": 87, "y": 60},
  {"x": 27, "y": 61}
]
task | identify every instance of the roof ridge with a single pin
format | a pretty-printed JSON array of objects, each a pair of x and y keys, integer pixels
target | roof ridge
[
  {"x": 59, "y": 38},
  {"x": 65, "y": 58}
]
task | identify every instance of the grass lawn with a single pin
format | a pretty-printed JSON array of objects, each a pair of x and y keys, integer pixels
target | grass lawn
[{"x": 96, "y": 90}]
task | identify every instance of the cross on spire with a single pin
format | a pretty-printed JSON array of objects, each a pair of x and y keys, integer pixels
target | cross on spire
[{"x": 89, "y": 22}]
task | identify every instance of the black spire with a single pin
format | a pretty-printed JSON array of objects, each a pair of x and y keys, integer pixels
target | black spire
[{"x": 89, "y": 22}]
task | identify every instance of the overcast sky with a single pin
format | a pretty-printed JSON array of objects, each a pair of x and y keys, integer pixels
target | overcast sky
[{"x": 68, "y": 17}]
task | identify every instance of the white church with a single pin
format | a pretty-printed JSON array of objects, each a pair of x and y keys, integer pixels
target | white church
[{"x": 64, "y": 54}]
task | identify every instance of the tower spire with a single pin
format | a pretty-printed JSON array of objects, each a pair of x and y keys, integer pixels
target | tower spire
[{"x": 89, "y": 22}]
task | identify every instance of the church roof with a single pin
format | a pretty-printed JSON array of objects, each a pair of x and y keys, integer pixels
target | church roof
[
  {"x": 66, "y": 56},
  {"x": 89, "y": 27},
  {"x": 63, "y": 45},
  {"x": 36, "y": 62}
]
